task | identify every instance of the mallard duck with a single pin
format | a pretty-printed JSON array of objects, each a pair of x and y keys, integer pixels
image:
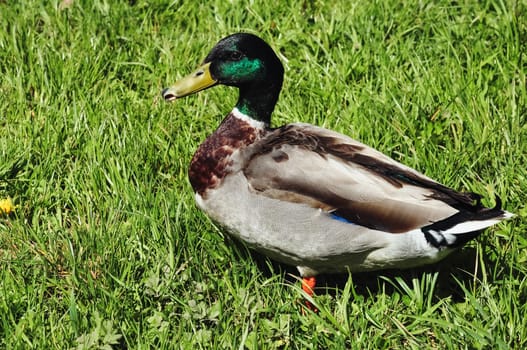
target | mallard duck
[{"x": 311, "y": 197}]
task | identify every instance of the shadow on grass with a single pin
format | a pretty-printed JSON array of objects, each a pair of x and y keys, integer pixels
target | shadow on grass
[{"x": 459, "y": 266}]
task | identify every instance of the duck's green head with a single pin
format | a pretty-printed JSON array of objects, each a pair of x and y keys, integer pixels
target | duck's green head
[{"x": 242, "y": 60}]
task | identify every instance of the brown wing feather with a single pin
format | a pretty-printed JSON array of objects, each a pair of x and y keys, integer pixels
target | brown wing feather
[{"x": 320, "y": 168}]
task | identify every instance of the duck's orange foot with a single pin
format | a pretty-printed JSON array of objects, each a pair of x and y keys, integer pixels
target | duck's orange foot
[{"x": 308, "y": 286}]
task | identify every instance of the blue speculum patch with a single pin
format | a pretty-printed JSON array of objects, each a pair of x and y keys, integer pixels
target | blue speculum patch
[{"x": 340, "y": 218}]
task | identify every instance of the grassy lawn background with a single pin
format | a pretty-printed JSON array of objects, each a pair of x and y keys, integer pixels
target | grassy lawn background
[{"x": 106, "y": 246}]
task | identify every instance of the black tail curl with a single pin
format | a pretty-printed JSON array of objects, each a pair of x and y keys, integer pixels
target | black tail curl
[{"x": 433, "y": 232}]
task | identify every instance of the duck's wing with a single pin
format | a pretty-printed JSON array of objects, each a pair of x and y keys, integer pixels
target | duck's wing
[{"x": 308, "y": 165}]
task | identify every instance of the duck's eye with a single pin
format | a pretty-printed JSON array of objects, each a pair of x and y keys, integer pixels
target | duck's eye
[{"x": 236, "y": 55}]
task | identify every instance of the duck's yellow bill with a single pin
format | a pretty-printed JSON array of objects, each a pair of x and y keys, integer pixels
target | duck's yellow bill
[{"x": 196, "y": 81}]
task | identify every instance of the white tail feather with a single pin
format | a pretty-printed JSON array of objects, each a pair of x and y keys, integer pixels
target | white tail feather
[{"x": 471, "y": 226}]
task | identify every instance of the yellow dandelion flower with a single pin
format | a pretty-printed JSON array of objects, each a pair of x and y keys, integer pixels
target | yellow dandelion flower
[{"x": 6, "y": 206}]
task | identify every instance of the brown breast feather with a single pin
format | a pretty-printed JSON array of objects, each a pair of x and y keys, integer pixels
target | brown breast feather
[{"x": 210, "y": 164}]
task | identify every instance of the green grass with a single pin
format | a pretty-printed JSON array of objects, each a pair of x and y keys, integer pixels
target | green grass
[{"x": 106, "y": 246}]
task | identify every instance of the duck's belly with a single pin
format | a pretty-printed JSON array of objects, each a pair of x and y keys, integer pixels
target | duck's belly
[{"x": 300, "y": 235}]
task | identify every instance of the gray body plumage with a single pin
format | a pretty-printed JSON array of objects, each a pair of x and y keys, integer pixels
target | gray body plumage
[{"x": 279, "y": 199}]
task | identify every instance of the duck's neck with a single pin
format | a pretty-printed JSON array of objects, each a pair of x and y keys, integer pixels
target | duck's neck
[{"x": 259, "y": 103}]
